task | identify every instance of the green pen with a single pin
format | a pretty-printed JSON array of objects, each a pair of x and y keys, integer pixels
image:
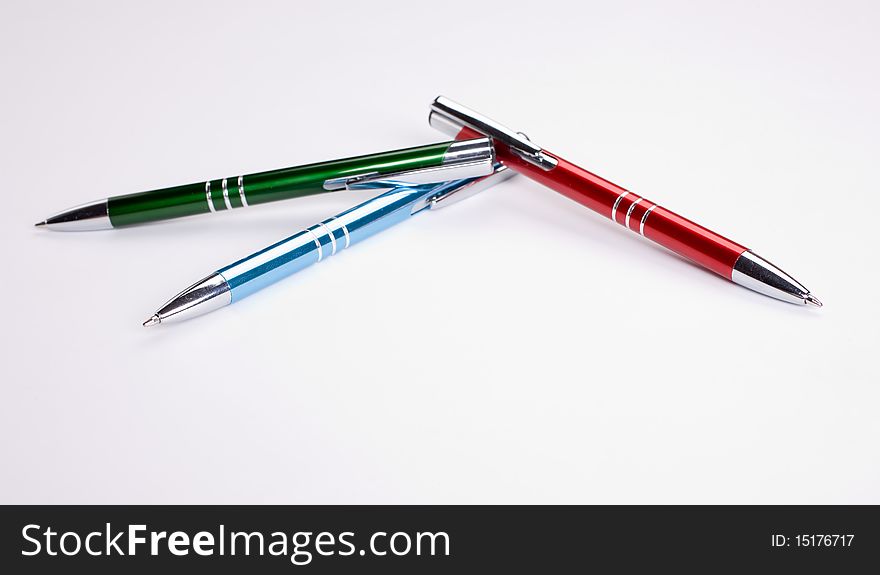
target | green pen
[{"x": 420, "y": 165}]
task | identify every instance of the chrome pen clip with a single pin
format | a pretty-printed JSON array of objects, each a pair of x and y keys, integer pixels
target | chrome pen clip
[
  {"x": 450, "y": 117},
  {"x": 463, "y": 159},
  {"x": 446, "y": 198}
]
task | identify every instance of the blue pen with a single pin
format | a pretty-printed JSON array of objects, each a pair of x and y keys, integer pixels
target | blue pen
[{"x": 258, "y": 270}]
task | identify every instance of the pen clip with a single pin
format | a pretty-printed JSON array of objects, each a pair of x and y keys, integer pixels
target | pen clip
[
  {"x": 446, "y": 198},
  {"x": 450, "y": 117},
  {"x": 413, "y": 178},
  {"x": 463, "y": 159}
]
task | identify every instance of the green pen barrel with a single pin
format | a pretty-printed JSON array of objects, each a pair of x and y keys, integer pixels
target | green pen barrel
[{"x": 259, "y": 188}]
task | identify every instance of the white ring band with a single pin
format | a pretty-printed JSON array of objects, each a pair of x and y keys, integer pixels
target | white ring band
[
  {"x": 347, "y": 237},
  {"x": 226, "y": 195},
  {"x": 241, "y": 191},
  {"x": 629, "y": 211},
  {"x": 616, "y": 203},
  {"x": 645, "y": 217},
  {"x": 208, "y": 196},
  {"x": 332, "y": 239},
  {"x": 317, "y": 243}
]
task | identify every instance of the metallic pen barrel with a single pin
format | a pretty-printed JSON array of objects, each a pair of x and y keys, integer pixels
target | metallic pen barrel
[
  {"x": 638, "y": 214},
  {"x": 312, "y": 245},
  {"x": 433, "y": 163}
]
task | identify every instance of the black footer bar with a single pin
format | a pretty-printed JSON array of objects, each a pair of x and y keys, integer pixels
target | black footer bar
[{"x": 441, "y": 539}]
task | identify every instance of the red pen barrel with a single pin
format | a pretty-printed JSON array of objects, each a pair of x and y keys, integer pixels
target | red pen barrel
[
  {"x": 693, "y": 241},
  {"x": 678, "y": 234}
]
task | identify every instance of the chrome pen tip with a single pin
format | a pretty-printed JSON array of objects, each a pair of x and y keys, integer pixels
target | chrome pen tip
[
  {"x": 812, "y": 300},
  {"x": 39, "y": 224},
  {"x": 152, "y": 321}
]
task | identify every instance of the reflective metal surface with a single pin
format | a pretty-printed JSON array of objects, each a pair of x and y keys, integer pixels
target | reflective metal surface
[
  {"x": 241, "y": 192},
  {"x": 756, "y": 273},
  {"x": 208, "y": 199},
  {"x": 86, "y": 217},
  {"x": 316, "y": 243},
  {"x": 451, "y": 117},
  {"x": 645, "y": 218},
  {"x": 477, "y": 149},
  {"x": 465, "y": 159},
  {"x": 203, "y": 296},
  {"x": 629, "y": 212},
  {"x": 453, "y": 196},
  {"x": 226, "y": 201},
  {"x": 615, "y": 206},
  {"x": 424, "y": 176}
]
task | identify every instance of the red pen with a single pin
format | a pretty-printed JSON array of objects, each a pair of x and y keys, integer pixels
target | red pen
[{"x": 642, "y": 216}]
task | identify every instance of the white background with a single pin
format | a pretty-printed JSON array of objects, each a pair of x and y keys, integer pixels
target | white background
[{"x": 514, "y": 348}]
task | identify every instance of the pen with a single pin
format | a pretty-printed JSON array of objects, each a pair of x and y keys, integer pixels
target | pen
[
  {"x": 246, "y": 276},
  {"x": 684, "y": 237},
  {"x": 415, "y": 165}
]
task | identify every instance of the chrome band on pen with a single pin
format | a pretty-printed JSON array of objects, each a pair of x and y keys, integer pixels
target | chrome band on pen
[
  {"x": 616, "y": 204},
  {"x": 209, "y": 198},
  {"x": 241, "y": 192},
  {"x": 645, "y": 218},
  {"x": 629, "y": 212},
  {"x": 226, "y": 195}
]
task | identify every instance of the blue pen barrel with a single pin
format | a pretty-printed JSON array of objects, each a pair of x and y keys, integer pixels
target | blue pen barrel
[{"x": 322, "y": 240}]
